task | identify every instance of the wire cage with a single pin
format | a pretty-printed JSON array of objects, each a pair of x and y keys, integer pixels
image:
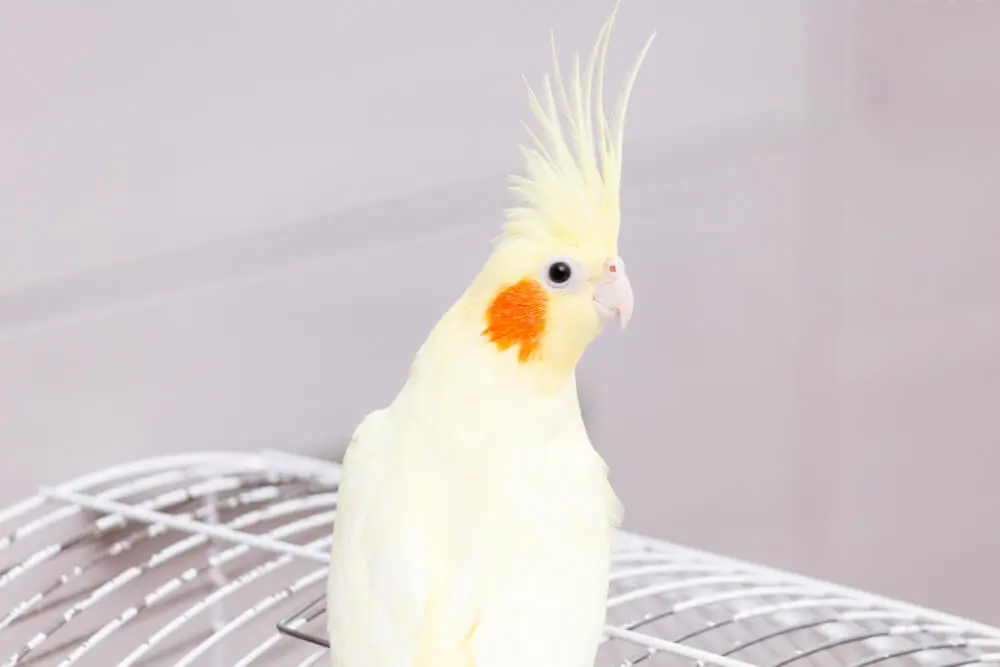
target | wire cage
[{"x": 220, "y": 559}]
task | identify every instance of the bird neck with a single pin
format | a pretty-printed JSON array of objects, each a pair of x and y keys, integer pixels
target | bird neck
[{"x": 459, "y": 360}]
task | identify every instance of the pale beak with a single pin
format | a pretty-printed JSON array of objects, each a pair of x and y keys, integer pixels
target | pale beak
[{"x": 613, "y": 296}]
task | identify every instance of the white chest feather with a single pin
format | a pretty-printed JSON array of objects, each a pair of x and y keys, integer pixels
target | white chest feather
[
  {"x": 502, "y": 544},
  {"x": 475, "y": 524}
]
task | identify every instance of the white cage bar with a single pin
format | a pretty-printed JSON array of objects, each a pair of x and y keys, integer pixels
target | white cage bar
[{"x": 219, "y": 559}]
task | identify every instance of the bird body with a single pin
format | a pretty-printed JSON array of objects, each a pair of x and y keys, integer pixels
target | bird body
[
  {"x": 487, "y": 510},
  {"x": 475, "y": 518}
]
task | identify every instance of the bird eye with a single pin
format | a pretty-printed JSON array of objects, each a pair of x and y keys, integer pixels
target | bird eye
[{"x": 559, "y": 273}]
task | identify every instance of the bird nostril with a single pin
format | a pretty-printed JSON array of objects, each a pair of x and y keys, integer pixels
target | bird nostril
[{"x": 613, "y": 266}]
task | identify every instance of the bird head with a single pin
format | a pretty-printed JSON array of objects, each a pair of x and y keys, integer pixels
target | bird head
[{"x": 555, "y": 277}]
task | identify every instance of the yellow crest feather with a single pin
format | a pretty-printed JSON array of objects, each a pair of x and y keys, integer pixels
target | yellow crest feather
[{"x": 570, "y": 189}]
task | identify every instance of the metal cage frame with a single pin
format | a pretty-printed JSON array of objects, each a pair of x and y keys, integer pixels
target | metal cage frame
[{"x": 667, "y": 602}]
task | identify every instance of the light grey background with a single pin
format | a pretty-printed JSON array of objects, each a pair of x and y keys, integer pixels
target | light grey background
[{"x": 230, "y": 225}]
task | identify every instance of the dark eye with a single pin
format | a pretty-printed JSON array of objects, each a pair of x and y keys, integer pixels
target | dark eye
[{"x": 559, "y": 273}]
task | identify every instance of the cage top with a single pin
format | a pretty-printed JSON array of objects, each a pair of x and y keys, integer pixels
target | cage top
[{"x": 221, "y": 558}]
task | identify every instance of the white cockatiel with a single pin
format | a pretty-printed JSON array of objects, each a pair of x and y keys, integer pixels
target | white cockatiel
[{"x": 475, "y": 518}]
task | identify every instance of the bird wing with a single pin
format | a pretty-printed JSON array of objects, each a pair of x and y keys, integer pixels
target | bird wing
[{"x": 398, "y": 591}]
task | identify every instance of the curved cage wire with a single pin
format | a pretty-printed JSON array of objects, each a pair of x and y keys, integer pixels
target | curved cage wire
[{"x": 219, "y": 559}]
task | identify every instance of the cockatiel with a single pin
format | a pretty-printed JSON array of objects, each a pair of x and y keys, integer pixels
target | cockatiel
[{"x": 475, "y": 518}]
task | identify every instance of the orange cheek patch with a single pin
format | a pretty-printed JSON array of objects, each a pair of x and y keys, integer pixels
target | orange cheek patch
[{"x": 517, "y": 317}]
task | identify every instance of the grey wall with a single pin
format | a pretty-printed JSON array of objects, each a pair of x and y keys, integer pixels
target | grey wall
[{"x": 229, "y": 225}]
